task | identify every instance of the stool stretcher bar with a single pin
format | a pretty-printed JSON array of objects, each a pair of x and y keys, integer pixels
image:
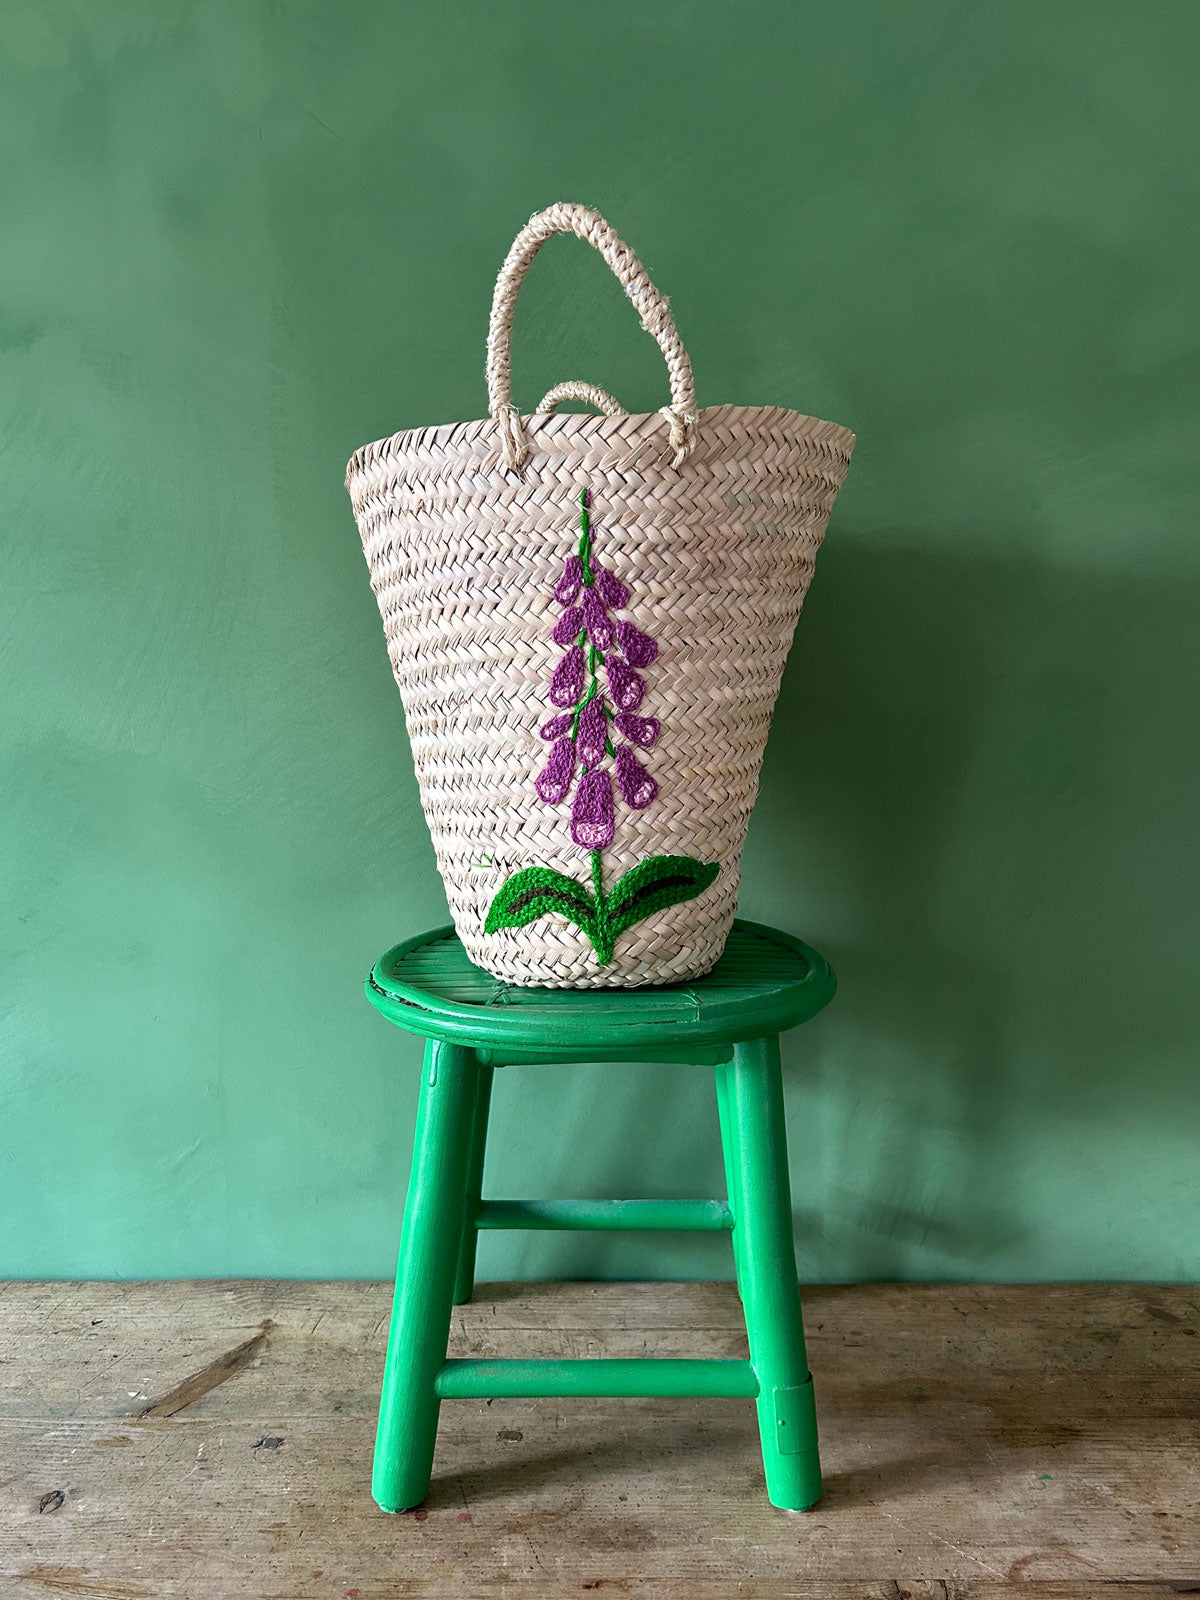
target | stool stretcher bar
[
  {"x": 640, "y": 1379},
  {"x": 670, "y": 1216}
]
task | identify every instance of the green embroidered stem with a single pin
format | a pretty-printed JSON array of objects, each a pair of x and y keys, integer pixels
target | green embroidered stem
[
  {"x": 594, "y": 655},
  {"x": 604, "y": 940},
  {"x": 585, "y": 540}
]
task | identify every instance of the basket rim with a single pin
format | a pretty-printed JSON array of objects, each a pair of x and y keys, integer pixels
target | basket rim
[{"x": 588, "y": 425}]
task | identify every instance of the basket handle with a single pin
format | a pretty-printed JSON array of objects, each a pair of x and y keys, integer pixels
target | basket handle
[
  {"x": 574, "y": 390},
  {"x": 651, "y": 307}
]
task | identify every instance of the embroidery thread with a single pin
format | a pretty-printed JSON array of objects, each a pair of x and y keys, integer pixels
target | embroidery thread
[{"x": 582, "y": 736}]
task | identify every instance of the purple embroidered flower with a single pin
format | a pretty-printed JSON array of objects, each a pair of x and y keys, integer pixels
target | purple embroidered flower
[
  {"x": 626, "y": 685},
  {"x": 568, "y": 626},
  {"x": 640, "y": 649},
  {"x": 592, "y": 814},
  {"x": 556, "y": 775},
  {"x": 597, "y": 620},
  {"x": 566, "y": 685},
  {"x": 582, "y": 737},
  {"x": 611, "y": 590},
  {"x": 637, "y": 787},
  {"x": 638, "y": 730},
  {"x": 567, "y": 586},
  {"x": 592, "y": 733},
  {"x": 579, "y": 737}
]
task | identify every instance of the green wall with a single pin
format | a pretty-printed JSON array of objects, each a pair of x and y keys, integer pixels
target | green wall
[{"x": 240, "y": 240}]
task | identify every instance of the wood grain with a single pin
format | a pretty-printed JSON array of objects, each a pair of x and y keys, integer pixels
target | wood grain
[
  {"x": 977, "y": 1441},
  {"x": 208, "y": 1377}
]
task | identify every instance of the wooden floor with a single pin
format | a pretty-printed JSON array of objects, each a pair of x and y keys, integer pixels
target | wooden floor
[{"x": 207, "y": 1440}]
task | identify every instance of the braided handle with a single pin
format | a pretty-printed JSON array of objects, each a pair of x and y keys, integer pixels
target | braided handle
[
  {"x": 574, "y": 390},
  {"x": 651, "y": 307}
]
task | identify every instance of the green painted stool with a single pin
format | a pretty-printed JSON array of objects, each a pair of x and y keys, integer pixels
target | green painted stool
[{"x": 731, "y": 1020}]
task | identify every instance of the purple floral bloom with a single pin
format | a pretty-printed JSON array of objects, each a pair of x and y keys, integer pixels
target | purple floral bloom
[
  {"x": 638, "y": 730},
  {"x": 580, "y": 737},
  {"x": 556, "y": 775},
  {"x": 591, "y": 733},
  {"x": 637, "y": 787},
  {"x": 596, "y": 736},
  {"x": 566, "y": 685},
  {"x": 626, "y": 685},
  {"x": 568, "y": 626},
  {"x": 611, "y": 590},
  {"x": 567, "y": 586},
  {"x": 592, "y": 814},
  {"x": 640, "y": 649},
  {"x": 597, "y": 620}
]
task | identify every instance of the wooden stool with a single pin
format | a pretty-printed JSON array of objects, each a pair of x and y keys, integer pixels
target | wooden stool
[{"x": 731, "y": 1020}]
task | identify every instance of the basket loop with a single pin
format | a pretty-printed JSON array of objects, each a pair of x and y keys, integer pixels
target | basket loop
[
  {"x": 651, "y": 307},
  {"x": 574, "y": 390}
]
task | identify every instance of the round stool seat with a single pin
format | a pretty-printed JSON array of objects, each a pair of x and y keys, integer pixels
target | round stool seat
[{"x": 764, "y": 983}]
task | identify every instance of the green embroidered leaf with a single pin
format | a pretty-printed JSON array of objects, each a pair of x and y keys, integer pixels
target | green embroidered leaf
[
  {"x": 538, "y": 892},
  {"x": 652, "y": 885}
]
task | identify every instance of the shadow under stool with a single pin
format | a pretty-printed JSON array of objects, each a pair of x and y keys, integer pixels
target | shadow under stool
[{"x": 764, "y": 983}]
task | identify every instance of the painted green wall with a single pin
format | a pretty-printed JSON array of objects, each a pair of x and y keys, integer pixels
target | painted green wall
[{"x": 240, "y": 240}]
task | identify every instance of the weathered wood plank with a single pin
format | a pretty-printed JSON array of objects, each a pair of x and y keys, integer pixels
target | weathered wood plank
[{"x": 974, "y": 1438}]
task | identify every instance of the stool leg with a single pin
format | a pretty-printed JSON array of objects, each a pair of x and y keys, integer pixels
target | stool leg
[
  {"x": 429, "y": 1248},
  {"x": 729, "y": 1141},
  {"x": 787, "y": 1420},
  {"x": 464, "y": 1282}
]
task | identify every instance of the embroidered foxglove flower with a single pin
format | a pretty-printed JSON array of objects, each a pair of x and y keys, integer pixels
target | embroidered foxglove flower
[
  {"x": 597, "y": 620},
  {"x": 579, "y": 736},
  {"x": 566, "y": 685},
  {"x": 637, "y": 787},
  {"x": 568, "y": 627},
  {"x": 639, "y": 648},
  {"x": 591, "y": 733},
  {"x": 592, "y": 819},
  {"x": 627, "y": 686},
  {"x": 612, "y": 591},
  {"x": 638, "y": 730},
  {"x": 556, "y": 775},
  {"x": 567, "y": 587}
]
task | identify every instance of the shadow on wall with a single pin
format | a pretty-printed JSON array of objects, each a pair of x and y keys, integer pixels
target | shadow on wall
[
  {"x": 994, "y": 790},
  {"x": 977, "y": 801}
]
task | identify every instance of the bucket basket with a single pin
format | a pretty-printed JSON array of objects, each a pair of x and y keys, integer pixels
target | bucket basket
[{"x": 588, "y": 618}]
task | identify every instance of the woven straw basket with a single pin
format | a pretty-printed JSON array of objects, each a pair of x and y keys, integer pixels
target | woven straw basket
[{"x": 588, "y": 619}]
